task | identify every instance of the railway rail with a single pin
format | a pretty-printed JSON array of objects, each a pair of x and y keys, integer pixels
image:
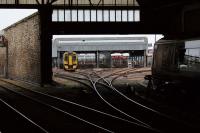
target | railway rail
[
  {"x": 153, "y": 118},
  {"x": 146, "y": 111},
  {"x": 101, "y": 118},
  {"x": 16, "y": 121},
  {"x": 94, "y": 82},
  {"x": 56, "y": 112}
]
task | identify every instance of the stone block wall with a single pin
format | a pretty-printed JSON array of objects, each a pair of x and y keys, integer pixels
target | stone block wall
[
  {"x": 2, "y": 61},
  {"x": 24, "y": 49}
]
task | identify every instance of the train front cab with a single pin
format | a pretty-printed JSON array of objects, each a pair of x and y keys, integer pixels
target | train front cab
[{"x": 70, "y": 61}]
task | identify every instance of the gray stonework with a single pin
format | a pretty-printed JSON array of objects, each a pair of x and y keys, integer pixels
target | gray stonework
[
  {"x": 2, "y": 61},
  {"x": 24, "y": 49}
]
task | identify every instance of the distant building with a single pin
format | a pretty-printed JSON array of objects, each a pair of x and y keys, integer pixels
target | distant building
[{"x": 149, "y": 54}]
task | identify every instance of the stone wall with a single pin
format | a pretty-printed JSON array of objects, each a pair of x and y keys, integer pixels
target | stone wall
[
  {"x": 24, "y": 49},
  {"x": 2, "y": 61}
]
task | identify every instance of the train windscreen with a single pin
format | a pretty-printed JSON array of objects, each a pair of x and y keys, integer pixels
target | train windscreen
[
  {"x": 74, "y": 57},
  {"x": 66, "y": 57}
]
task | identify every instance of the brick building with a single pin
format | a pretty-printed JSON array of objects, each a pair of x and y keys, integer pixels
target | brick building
[{"x": 23, "y": 49}]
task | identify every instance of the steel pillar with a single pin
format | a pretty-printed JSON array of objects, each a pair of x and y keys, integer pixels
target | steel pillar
[
  {"x": 46, "y": 45},
  {"x": 145, "y": 59},
  {"x": 97, "y": 58},
  {"x": 58, "y": 59},
  {"x": 108, "y": 59}
]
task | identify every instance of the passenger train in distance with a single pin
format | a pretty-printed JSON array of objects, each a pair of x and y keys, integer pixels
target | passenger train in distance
[
  {"x": 119, "y": 60},
  {"x": 176, "y": 63},
  {"x": 70, "y": 61}
]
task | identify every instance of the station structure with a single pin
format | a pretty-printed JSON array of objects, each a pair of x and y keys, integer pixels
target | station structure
[
  {"x": 172, "y": 18},
  {"x": 135, "y": 47}
]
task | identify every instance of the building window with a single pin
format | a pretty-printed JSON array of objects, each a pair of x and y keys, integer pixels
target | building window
[{"x": 95, "y": 15}]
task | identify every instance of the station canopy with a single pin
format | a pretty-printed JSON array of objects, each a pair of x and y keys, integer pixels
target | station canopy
[
  {"x": 100, "y": 3},
  {"x": 73, "y": 2}
]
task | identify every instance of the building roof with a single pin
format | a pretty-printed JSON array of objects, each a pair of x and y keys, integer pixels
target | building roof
[
  {"x": 67, "y": 2},
  {"x": 90, "y": 44}
]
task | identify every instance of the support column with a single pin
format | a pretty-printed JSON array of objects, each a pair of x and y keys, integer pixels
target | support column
[
  {"x": 58, "y": 59},
  {"x": 46, "y": 45},
  {"x": 110, "y": 60},
  {"x": 97, "y": 58},
  {"x": 145, "y": 59},
  {"x": 132, "y": 59}
]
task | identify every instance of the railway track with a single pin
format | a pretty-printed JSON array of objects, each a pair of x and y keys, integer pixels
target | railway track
[
  {"x": 151, "y": 118},
  {"x": 46, "y": 113},
  {"x": 16, "y": 121},
  {"x": 110, "y": 105},
  {"x": 94, "y": 83},
  {"x": 102, "y": 120},
  {"x": 77, "y": 79},
  {"x": 158, "y": 120}
]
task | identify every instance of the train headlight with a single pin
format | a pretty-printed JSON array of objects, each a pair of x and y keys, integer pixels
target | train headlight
[{"x": 74, "y": 66}]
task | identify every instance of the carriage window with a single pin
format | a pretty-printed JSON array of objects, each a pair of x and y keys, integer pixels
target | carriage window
[
  {"x": 181, "y": 55},
  {"x": 190, "y": 60},
  {"x": 168, "y": 57}
]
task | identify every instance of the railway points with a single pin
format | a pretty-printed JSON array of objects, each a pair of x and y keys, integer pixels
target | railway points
[{"x": 98, "y": 66}]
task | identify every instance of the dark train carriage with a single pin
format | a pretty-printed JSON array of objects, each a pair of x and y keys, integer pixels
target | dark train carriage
[
  {"x": 175, "y": 62},
  {"x": 86, "y": 61}
]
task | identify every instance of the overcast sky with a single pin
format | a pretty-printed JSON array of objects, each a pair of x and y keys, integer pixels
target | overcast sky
[{"x": 11, "y": 16}]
